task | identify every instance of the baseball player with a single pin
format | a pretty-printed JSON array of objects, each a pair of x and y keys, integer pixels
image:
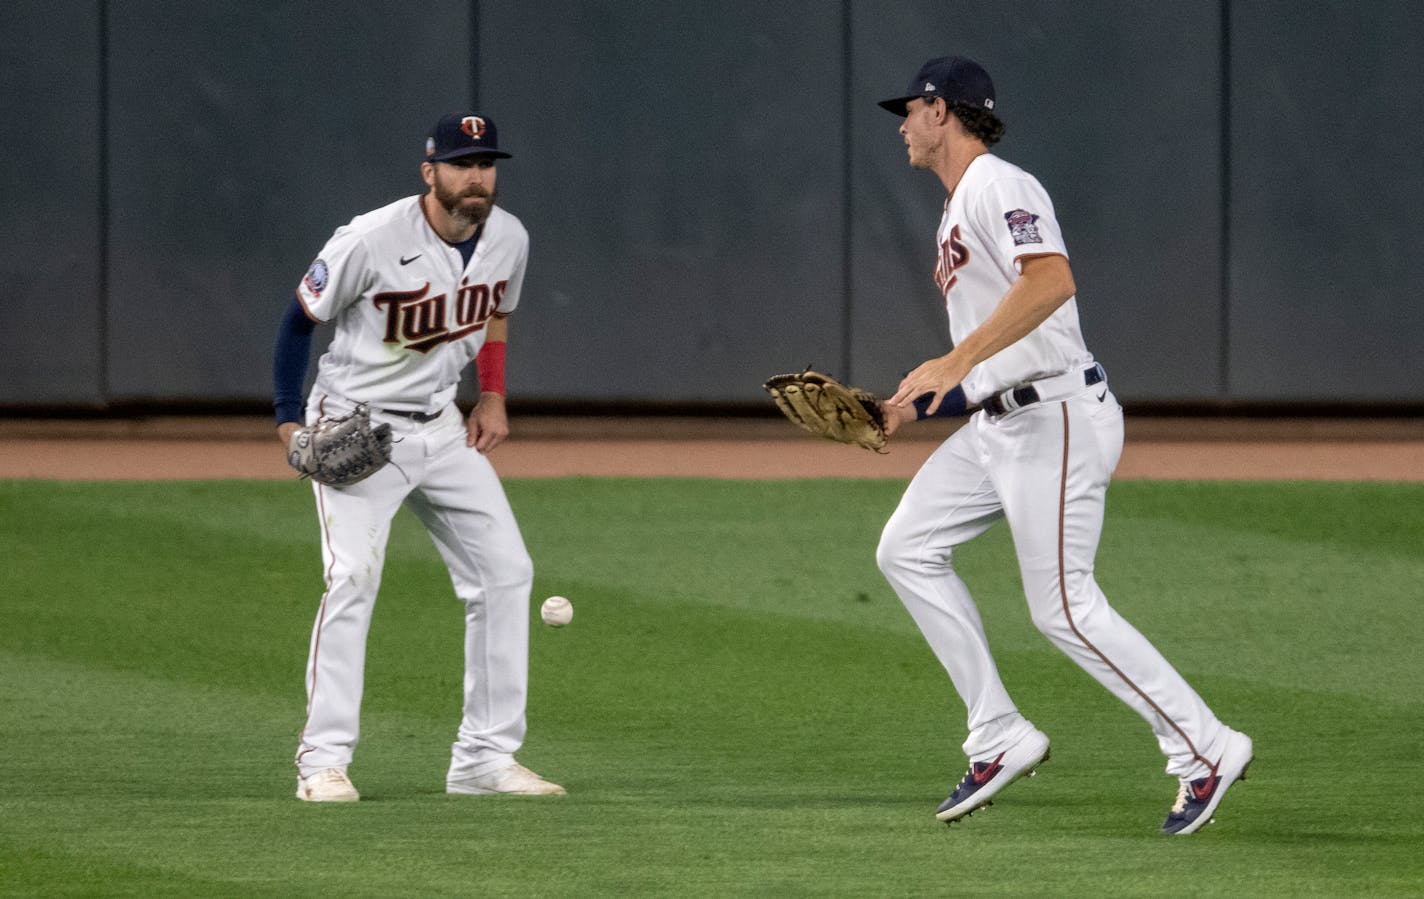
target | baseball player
[
  {"x": 415, "y": 290},
  {"x": 1039, "y": 453}
]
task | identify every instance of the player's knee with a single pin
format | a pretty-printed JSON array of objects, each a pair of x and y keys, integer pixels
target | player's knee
[
  {"x": 900, "y": 552},
  {"x": 1050, "y": 619},
  {"x": 1055, "y": 606},
  {"x": 343, "y": 578},
  {"x": 890, "y": 555},
  {"x": 516, "y": 570}
]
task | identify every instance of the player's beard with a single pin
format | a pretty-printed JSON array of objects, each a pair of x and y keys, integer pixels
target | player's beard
[
  {"x": 471, "y": 205},
  {"x": 921, "y": 156},
  {"x": 923, "y": 148}
]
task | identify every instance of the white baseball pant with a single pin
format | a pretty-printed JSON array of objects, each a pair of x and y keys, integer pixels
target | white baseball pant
[
  {"x": 1044, "y": 467},
  {"x": 455, "y": 493}
]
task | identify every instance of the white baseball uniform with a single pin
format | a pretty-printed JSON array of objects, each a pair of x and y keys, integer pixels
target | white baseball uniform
[
  {"x": 409, "y": 315},
  {"x": 1044, "y": 465}
]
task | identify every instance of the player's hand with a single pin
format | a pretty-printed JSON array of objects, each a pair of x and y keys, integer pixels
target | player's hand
[
  {"x": 488, "y": 424},
  {"x": 895, "y": 416},
  {"x": 285, "y": 430},
  {"x": 937, "y": 376}
]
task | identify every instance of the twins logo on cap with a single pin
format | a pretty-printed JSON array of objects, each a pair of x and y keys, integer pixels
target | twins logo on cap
[{"x": 463, "y": 134}]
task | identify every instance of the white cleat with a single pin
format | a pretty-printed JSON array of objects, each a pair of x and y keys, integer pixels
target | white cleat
[
  {"x": 327, "y": 785},
  {"x": 983, "y": 781},
  {"x": 516, "y": 780},
  {"x": 1197, "y": 799}
]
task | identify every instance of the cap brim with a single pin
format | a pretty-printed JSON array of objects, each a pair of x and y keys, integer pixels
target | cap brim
[
  {"x": 472, "y": 151},
  {"x": 898, "y": 105}
]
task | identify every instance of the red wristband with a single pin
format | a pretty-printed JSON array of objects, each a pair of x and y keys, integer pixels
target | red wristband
[{"x": 489, "y": 365}]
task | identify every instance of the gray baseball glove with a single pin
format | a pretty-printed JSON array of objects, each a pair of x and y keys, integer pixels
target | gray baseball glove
[
  {"x": 341, "y": 451},
  {"x": 825, "y": 407}
]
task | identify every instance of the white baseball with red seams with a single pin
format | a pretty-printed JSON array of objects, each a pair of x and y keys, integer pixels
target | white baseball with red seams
[
  {"x": 556, "y": 611},
  {"x": 1045, "y": 467}
]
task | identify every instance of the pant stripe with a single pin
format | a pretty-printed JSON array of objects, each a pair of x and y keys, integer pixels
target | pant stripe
[
  {"x": 321, "y": 620},
  {"x": 1068, "y": 611}
]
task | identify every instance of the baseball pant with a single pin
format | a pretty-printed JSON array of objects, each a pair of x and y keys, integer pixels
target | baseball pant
[
  {"x": 454, "y": 492},
  {"x": 1045, "y": 468}
]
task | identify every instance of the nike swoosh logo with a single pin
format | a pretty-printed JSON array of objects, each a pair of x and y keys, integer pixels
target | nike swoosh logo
[
  {"x": 986, "y": 774},
  {"x": 1102, "y": 396},
  {"x": 1203, "y": 793},
  {"x": 405, "y": 261}
]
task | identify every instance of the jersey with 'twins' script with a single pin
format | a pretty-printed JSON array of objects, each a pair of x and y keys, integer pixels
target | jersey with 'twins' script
[
  {"x": 409, "y": 314},
  {"x": 997, "y": 215}
]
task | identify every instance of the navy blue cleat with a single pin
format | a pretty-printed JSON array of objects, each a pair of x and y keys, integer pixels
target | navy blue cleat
[
  {"x": 1198, "y": 799},
  {"x": 985, "y": 779}
]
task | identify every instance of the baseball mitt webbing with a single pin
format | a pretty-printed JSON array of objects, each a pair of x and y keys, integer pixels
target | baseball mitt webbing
[
  {"x": 821, "y": 405},
  {"x": 341, "y": 451}
]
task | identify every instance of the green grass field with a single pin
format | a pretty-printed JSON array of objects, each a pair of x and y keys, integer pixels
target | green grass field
[{"x": 740, "y": 707}]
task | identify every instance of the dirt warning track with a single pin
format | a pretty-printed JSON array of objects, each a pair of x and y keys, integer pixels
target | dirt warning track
[{"x": 1171, "y": 448}]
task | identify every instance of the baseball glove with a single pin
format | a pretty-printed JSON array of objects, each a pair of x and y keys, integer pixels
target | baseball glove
[
  {"x": 341, "y": 451},
  {"x": 825, "y": 407}
]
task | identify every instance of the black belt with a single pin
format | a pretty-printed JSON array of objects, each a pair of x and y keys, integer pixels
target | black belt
[
  {"x": 1027, "y": 396},
  {"x": 418, "y": 417}
]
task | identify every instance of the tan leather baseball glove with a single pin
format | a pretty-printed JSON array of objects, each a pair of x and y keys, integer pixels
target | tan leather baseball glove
[{"x": 821, "y": 405}]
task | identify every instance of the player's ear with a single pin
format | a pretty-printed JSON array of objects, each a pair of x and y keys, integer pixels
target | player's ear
[{"x": 427, "y": 173}]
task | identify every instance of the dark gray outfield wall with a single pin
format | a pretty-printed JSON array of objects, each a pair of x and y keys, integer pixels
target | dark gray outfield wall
[{"x": 713, "y": 195}]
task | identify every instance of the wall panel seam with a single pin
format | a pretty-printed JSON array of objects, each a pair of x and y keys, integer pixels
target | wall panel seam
[
  {"x": 1224, "y": 314},
  {"x": 103, "y": 201},
  {"x": 847, "y": 188}
]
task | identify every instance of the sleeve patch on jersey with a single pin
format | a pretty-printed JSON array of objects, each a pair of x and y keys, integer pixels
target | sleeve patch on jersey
[
  {"x": 1023, "y": 226},
  {"x": 316, "y": 278}
]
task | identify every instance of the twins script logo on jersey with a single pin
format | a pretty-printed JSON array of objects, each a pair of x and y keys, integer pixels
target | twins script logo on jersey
[
  {"x": 952, "y": 255},
  {"x": 316, "y": 277},
  {"x": 1023, "y": 225},
  {"x": 419, "y": 319}
]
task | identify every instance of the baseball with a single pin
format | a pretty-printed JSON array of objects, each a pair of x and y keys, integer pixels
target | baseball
[{"x": 556, "y": 611}]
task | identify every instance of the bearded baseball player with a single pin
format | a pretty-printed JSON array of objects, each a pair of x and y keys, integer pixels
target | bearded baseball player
[
  {"x": 1039, "y": 452},
  {"x": 415, "y": 290}
]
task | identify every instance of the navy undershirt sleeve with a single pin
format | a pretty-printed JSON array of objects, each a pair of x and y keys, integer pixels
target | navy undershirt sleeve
[
  {"x": 289, "y": 362},
  {"x": 954, "y": 405}
]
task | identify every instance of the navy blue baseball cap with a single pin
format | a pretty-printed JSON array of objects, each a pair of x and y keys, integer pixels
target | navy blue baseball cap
[
  {"x": 950, "y": 77},
  {"x": 463, "y": 134}
]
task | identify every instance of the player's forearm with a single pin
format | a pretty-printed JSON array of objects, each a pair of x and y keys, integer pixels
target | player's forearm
[
  {"x": 489, "y": 364},
  {"x": 1044, "y": 285}
]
